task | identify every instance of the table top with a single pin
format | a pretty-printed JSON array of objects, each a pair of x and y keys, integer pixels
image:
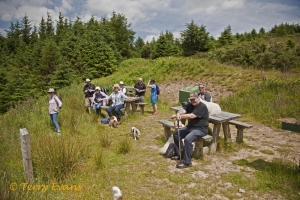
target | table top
[
  {"x": 131, "y": 99},
  {"x": 222, "y": 117}
]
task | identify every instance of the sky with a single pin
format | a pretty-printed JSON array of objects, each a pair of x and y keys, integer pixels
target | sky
[{"x": 149, "y": 18}]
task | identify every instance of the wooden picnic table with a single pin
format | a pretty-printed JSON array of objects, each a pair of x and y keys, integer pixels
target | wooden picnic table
[
  {"x": 131, "y": 102},
  {"x": 217, "y": 120}
]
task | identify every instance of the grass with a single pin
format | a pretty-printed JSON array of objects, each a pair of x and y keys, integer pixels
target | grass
[
  {"x": 266, "y": 151},
  {"x": 92, "y": 155}
]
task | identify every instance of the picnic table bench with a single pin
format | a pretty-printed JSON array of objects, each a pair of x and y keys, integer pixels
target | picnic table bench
[
  {"x": 223, "y": 119},
  {"x": 199, "y": 149}
]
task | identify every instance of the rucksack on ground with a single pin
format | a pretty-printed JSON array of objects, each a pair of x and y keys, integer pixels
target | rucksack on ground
[
  {"x": 105, "y": 120},
  {"x": 170, "y": 152},
  {"x": 157, "y": 90}
]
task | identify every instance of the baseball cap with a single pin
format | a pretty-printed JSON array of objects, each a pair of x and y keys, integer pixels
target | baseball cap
[
  {"x": 121, "y": 83},
  {"x": 193, "y": 95},
  {"x": 201, "y": 85},
  {"x": 87, "y": 80}
]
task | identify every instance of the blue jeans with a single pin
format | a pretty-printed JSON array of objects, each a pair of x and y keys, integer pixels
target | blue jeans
[
  {"x": 97, "y": 107},
  {"x": 190, "y": 136},
  {"x": 116, "y": 108},
  {"x": 54, "y": 118}
]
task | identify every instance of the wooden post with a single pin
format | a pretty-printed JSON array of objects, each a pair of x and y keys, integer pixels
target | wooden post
[{"x": 26, "y": 155}]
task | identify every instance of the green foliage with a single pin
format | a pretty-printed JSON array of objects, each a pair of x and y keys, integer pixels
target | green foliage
[
  {"x": 124, "y": 146},
  {"x": 194, "y": 39}
]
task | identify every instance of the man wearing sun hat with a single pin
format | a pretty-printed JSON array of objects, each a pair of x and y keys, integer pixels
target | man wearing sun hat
[
  {"x": 88, "y": 90},
  {"x": 117, "y": 99},
  {"x": 197, "y": 115},
  {"x": 122, "y": 89}
]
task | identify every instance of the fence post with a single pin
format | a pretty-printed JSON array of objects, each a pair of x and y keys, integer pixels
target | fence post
[{"x": 26, "y": 154}]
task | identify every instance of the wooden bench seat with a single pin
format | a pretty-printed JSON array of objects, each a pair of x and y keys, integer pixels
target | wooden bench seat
[
  {"x": 240, "y": 126},
  {"x": 142, "y": 106},
  {"x": 199, "y": 149}
]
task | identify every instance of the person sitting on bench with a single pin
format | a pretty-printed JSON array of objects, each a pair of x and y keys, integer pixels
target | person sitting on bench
[{"x": 197, "y": 115}]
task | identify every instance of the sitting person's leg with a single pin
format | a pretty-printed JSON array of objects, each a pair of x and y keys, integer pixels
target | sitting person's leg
[
  {"x": 118, "y": 112},
  {"x": 183, "y": 132},
  {"x": 109, "y": 110},
  {"x": 188, "y": 145}
]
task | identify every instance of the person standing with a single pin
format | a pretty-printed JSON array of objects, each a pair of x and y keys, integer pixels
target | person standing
[
  {"x": 54, "y": 106},
  {"x": 197, "y": 115},
  {"x": 203, "y": 94},
  {"x": 140, "y": 89},
  {"x": 88, "y": 90},
  {"x": 97, "y": 102},
  {"x": 153, "y": 95},
  {"x": 122, "y": 89}
]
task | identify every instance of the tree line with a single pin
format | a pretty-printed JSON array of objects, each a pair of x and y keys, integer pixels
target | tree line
[{"x": 35, "y": 58}]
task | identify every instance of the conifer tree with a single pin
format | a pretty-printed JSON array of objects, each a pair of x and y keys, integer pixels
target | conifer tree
[
  {"x": 42, "y": 29},
  {"x": 194, "y": 39},
  {"x": 26, "y": 29}
]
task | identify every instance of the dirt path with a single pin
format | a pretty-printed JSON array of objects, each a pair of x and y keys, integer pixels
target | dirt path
[{"x": 282, "y": 143}]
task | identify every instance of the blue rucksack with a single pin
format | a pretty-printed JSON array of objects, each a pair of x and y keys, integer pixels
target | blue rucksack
[
  {"x": 157, "y": 90},
  {"x": 105, "y": 120}
]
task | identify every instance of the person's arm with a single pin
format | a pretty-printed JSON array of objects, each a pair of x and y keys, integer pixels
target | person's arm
[{"x": 149, "y": 85}]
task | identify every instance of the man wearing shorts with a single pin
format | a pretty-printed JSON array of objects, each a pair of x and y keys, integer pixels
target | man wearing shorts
[{"x": 88, "y": 90}]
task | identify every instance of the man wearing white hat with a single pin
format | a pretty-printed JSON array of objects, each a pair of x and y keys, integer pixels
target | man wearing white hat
[
  {"x": 88, "y": 90},
  {"x": 117, "y": 99},
  {"x": 122, "y": 89}
]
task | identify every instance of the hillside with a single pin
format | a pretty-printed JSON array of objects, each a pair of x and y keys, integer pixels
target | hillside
[{"x": 95, "y": 157}]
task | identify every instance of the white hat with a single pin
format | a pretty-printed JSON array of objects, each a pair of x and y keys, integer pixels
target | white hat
[
  {"x": 87, "y": 80},
  {"x": 116, "y": 86},
  {"x": 121, "y": 83},
  {"x": 97, "y": 88},
  {"x": 50, "y": 90}
]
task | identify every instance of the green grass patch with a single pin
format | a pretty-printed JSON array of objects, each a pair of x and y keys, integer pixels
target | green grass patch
[{"x": 268, "y": 152}]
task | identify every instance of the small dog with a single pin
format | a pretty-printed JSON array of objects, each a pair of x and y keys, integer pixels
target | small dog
[
  {"x": 113, "y": 122},
  {"x": 117, "y": 193},
  {"x": 135, "y": 132},
  {"x": 181, "y": 125}
]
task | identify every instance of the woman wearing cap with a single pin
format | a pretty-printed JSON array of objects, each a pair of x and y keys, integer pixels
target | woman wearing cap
[
  {"x": 54, "y": 106},
  {"x": 117, "y": 99},
  {"x": 97, "y": 102},
  {"x": 152, "y": 85}
]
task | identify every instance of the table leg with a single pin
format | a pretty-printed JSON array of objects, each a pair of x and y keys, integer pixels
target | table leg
[
  {"x": 133, "y": 106},
  {"x": 215, "y": 134},
  {"x": 127, "y": 108},
  {"x": 226, "y": 130}
]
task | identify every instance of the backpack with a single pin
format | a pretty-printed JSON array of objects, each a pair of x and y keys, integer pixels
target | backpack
[
  {"x": 170, "y": 152},
  {"x": 157, "y": 90},
  {"x": 105, "y": 121}
]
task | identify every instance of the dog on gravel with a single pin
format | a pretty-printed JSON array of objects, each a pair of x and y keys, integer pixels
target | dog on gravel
[
  {"x": 180, "y": 124},
  {"x": 113, "y": 122},
  {"x": 135, "y": 133},
  {"x": 117, "y": 193}
]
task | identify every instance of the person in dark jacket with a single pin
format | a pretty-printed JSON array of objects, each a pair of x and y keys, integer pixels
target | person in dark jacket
[{"x": 88, "y": 91}]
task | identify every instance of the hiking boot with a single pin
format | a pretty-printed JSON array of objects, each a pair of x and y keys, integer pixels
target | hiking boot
[{"x": 182, "y": 165}]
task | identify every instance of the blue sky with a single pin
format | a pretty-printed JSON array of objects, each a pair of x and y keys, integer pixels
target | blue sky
[{"x": 148, "y": 18}]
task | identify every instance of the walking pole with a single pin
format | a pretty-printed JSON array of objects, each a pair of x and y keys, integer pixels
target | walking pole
[{"x": 179, "y": 140}]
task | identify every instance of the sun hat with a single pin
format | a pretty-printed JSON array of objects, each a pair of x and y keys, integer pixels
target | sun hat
[
  {"x": 97, "y": 88},
  {"x": 87, "y": 80},
  {"x": 51, "y": 90},
  {"x": 116, "y": 86},
  {"x": 121, "y": 83},
  {"x": 193, "y": 95}
]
